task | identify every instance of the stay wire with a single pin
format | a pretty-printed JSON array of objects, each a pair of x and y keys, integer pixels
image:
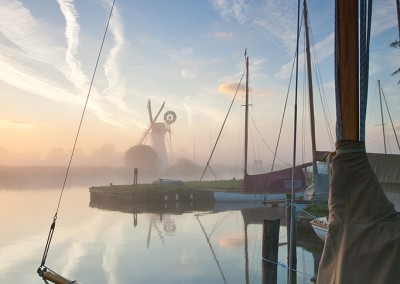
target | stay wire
[
  {"x": 391, "y": 121},
  {"x": 52, "y": 227},
  {"x": 223, "y": 124},
  {"x": 284, "y": 108},
  {"x": 265, "y": 142}
]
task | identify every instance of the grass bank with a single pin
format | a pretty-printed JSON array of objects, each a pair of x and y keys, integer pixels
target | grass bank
[{"x": 189, "y": 185}]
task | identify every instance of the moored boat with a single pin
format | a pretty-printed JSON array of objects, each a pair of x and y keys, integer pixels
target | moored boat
[{"x": 320, "y": 227}]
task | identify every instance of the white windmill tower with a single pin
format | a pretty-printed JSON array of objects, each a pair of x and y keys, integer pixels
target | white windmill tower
[{"x": 156, "y": 132}]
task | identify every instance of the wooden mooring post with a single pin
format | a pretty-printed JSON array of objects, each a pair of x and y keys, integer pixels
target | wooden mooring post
[
  {"x": 135, "y": 176},
  {"x": 270, "y": 245}
]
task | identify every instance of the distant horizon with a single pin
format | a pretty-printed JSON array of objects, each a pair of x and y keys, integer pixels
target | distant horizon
[
  {"x": 191, "y": 58},
  {"x": 100, "y": 158}
]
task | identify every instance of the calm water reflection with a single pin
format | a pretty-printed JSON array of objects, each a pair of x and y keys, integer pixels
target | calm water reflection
[{"x": 95, "y": 245}]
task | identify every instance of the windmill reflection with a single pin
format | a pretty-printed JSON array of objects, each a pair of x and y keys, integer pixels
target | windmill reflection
[{"x": 161, "y": 221}]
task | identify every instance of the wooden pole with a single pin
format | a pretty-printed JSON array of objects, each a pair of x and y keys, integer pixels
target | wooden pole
[
  {"x": 398, "y": 15},
  {"x": 246, "y": 126},
  {"x": 348, "y": 68},
  {"x": 310, "y": 85},
  {"x": 55, "y": 278},
  {"x": 135, "y": 176},
  {"x": 292, "y": 243},
  {"x": 270, "y": 245}
]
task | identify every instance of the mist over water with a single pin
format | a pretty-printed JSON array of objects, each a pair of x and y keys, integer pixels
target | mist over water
[{"x": 95, "y": 244}]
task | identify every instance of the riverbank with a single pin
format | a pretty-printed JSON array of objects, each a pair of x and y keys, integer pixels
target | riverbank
[{"x": 196, "y": 195}]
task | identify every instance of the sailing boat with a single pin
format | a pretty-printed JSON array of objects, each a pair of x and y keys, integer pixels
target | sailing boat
[
  {"x": 363, "y": 240},
  {"x": 272, "y": 186},
  {"x": 385, "y": 166},
  {"x": 319, "y": 186}
]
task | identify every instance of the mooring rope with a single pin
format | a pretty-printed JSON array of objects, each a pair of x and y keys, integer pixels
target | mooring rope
[
  {"x": 52, "y": 227},
  {"x": 308, "y": 213},
  {"x": 281, "y": 264}
]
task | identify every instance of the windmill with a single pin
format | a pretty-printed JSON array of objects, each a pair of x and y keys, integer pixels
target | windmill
[{"x": 157, "y": 130}]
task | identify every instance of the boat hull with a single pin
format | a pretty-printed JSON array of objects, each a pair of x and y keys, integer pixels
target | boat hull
[{"x": 320, "y": 227}]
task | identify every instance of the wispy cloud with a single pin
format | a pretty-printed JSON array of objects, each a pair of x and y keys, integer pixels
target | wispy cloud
[
  {"x": 115, "y": 90},
  {"x": 274, "y": 18},
  {"x": 28, "y": 34},
  {"x": 235, "y": 9},
  {"x": 22, "y": 76},
  {"x": 72, "y": 28},
  {"x": 271, "y": 16},
  {"x": 112, "y": 251},
  {"x": 27, "y": 52},
  {"x": 320, "y": 51},
  {"x": 46, "y": 66},
  {"x": 77, "y": 245},
  {"x": 185, "y": 58},
  {"x": 383, "y": 16},
  {"x": 223, "y": 35},
  {"x": 5, "y": 123}
]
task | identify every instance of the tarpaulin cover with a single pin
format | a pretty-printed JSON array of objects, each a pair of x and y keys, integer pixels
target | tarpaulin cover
[
  {"x": 385, "y": 166},
  {"x": 363, "y": 240}
]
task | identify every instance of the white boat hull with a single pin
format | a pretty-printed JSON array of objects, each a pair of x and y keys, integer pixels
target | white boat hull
[{"x": 320, "y": 227}]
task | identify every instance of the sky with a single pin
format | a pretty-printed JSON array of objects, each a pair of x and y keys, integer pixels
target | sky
[{"x": 189, "y": 54}]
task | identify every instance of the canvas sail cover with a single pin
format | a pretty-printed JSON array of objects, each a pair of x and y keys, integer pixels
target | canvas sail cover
[
  {"x": 386, "y": 167},
  {"x": 363, "y": 241},
  {"x": 276, "y": 182},
  {"x": 317, "y": 190},
  {"x": 319, "y": 187}
]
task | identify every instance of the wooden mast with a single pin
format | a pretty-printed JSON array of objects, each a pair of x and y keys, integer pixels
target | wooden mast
[
  {"x": 246, "y": 122},
  {"x": 347, "y": 64},
  {"x": 398, "y": 15},
  {"x": 310, "y": 84}
]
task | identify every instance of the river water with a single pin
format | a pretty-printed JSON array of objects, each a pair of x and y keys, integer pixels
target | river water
[{"x": 95, "y": 244}]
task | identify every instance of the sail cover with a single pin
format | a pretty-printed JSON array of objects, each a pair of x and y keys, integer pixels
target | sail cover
[
  {"x": 386, "y": 167},
  {"x": 363, "y": 240}
]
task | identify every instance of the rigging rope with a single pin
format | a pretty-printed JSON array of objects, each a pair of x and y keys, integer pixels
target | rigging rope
[
  {"x": 52, "y": 227},
  {"x": 321, "y": 91},
  {"x": 265, "y": 142},
  {"x": 283, "y": 115},
  {"x": 223, "y": 124},
  {"x": 365, "y": 31},
  {"x": 391, "y": 121}
]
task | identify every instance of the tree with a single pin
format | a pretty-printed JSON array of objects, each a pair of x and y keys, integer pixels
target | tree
[
  {"x": 396, "y": 44},
  {"x": 142, "y": 157},
  {"x": 184, "y": 168}
]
